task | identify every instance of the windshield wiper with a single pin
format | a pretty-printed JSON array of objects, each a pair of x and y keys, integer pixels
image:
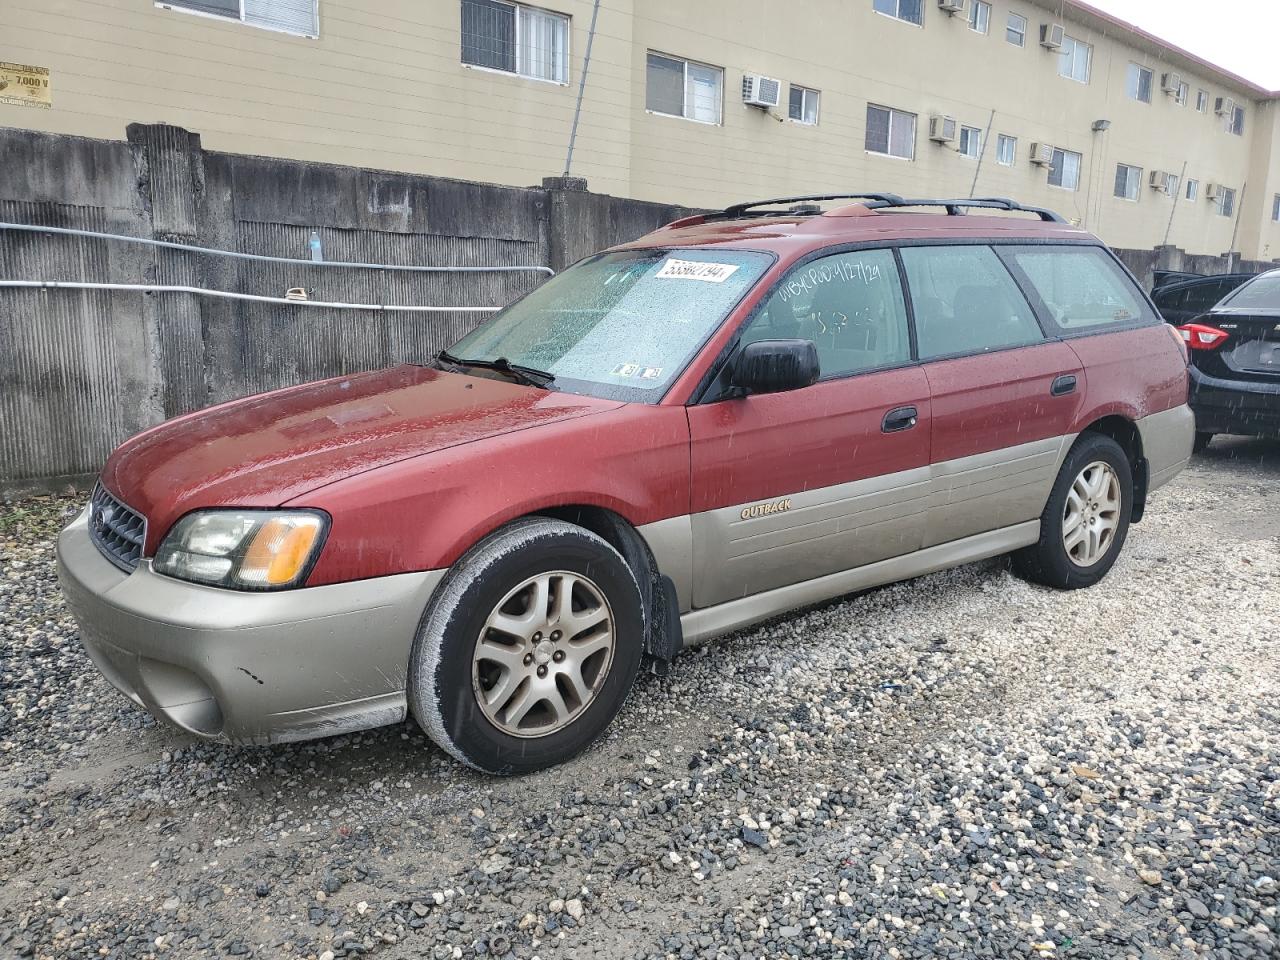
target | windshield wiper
[{"x": 530, "y": 376}]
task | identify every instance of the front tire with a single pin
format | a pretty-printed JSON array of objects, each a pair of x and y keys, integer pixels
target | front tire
[
  {"x": 1086, "y": 519},
  {"x": 528, "y": 649},
  {"x": 1202, "y": 441}
]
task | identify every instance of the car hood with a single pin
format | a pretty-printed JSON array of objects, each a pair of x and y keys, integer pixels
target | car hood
[{"x": 268, "y": 449}]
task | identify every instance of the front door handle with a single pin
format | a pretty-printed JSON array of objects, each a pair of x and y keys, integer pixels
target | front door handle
[
  {"x": 1063, "y": 385},
  {"x": 902, "y": 418}
]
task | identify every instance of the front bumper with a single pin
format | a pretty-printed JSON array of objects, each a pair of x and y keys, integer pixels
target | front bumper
[
  {"x": 246, "y": 667},
  {"x": 1235, "y": 406}
]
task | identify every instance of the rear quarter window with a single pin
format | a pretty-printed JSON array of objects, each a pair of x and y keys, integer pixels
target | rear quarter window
[{"x": 1082, "y": 288}]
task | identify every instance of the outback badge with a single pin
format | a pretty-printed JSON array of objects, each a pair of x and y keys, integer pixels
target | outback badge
[{"x": 765, "y": 509}]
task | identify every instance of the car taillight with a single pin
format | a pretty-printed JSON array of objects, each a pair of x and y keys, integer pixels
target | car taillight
[
  {"x": 1199, "y": 336},
  {"x": 1182, "y": 344}
]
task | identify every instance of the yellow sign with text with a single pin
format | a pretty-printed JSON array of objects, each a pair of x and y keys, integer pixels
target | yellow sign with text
[{"x": 25, "y": 86}]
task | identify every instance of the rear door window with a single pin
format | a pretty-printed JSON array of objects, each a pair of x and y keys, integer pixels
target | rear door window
[
  {"x": 1083, "y": 289},
  {"x": 965, "y": 302},
  {"x": 849, "y": 304}
]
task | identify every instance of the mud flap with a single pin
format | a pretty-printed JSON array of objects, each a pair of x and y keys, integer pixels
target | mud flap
[
  {"x": 1141, "y": 473},
  {"x": 666, "y": 639}
]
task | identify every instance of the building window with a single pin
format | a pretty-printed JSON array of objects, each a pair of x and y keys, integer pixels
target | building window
[
  {"x": 1226, "y": 201},
  {"x": 1171, "y": 184},
  {"x": 1138, "y": 83},
  {"x": 1202, "y": 101},
  {"x": 1064, "y": 169},
  {"x": 970, "y": 142},
  {"x": 911, "y": 11},
  {"x": 515, "y": 39},
  {"x": 1128, "y": 180},
  {"x": 803, "y": 107},
  {"x": 288, "y": 16},
  {"x": 1180, "y": 95},
  {"x": 683, "y": 88},
  {"x": 1275, "y": 208},
  {"x": 1236, "y": 123},
  {"x": 1006, "y": 150},
  {"x": 1015, "y": 30},
  {"x": 1193, "y": 189},
  {"x": 1075, "y": 59},
  {"x": 979, "y": 16},
  {"x": 891, "y": 132}
]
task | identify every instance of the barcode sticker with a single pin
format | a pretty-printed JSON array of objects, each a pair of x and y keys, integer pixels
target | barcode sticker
[{"x": 696, "y": 270}]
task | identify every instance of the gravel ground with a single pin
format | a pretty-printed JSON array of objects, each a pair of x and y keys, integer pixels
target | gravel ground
[{"x": 963, "y": 765}]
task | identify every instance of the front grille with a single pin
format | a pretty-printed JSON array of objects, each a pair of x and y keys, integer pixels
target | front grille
[{"x": 117, "y": 531}]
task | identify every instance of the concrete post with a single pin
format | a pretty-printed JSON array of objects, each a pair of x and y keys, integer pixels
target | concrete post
[
  {"x": 569, "y": 221},
  {"x": 171, "y": 180}
]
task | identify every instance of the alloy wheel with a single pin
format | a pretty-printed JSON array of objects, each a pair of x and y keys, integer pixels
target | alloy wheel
[
  {"x": 543, "y": 654},
  {"x": 1092, "y": 514}
]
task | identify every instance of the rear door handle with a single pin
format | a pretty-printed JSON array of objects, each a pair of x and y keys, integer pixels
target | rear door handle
[
  {"x": 902, "y": 418},
  {"x": 1063, "y": 385}
]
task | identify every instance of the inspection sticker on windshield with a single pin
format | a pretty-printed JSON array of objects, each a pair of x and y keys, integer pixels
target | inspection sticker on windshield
[
  {"x": 636, "y": 370},
  {"x": 675, "y": 269}
]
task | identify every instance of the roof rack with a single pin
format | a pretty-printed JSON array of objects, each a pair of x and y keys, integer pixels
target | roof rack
[
  {"x": 956, "y": 208},
  {"x": 740, "y": 209}
]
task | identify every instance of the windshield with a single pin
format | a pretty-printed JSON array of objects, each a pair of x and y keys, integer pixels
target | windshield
[
  {"x": 1260, "y": 293},
  {"x": 621, "y": 325}
]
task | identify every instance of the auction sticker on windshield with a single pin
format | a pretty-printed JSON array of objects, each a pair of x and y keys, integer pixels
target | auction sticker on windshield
[{"x": 675, "y": 269}]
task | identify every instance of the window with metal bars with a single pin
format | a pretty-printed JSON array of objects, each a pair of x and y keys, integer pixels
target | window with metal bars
[
  {"x": 299, "y": 17},
  {"x": 683, "y": 88},
  {"x": 515, "y": 38}
]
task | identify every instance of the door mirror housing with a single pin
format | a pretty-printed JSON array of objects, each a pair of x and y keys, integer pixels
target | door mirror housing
[{"x": 772, "y": 366}]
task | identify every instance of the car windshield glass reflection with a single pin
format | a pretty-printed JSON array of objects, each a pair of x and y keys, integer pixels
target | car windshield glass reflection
[{"x": 622, "y": 325}]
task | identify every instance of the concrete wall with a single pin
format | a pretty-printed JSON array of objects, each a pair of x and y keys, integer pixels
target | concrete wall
[
  {"x": 383, "y": 86},
  {"x": 1144, "y": 263},
  {"x": 83, "y": 370}
]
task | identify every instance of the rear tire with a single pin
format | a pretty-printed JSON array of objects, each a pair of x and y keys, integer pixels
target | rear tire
[
  {"x": 528, "y": 649},
  {"x": 1202, "y": 441},
  {"x": 1086, "y": 519}
]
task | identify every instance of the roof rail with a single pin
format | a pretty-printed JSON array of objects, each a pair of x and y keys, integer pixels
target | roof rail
[
  {"x": 740, "y": 209},
  {"x": 957, "y": 207}
]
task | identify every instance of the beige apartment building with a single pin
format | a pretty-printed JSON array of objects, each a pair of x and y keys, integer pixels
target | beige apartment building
[{"x": 1048, "y": 101}]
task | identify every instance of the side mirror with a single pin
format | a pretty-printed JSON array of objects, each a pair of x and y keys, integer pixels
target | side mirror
[{"x": 772, "y": 366}]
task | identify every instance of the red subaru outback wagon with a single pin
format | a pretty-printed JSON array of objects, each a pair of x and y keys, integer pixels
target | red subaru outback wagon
[{"x": 737, "y": 415}]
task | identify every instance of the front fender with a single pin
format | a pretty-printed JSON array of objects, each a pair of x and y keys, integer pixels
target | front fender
[{"x": 424, "y": 513}]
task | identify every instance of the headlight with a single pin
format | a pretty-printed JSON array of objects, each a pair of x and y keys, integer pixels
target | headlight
[{"x": 243, "y": 549}]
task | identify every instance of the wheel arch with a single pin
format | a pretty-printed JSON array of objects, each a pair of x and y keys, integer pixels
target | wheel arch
[
  {"x": 663, "y": 637},
  {"x": 1125, "y": 432}
]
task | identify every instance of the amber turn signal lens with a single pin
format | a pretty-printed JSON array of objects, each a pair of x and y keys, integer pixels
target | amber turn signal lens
[{"x": 279, "y": 551}]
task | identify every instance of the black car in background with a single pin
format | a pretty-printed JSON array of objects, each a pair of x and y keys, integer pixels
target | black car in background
[
  {"x": 1184, "y": 296},
  {"x": 1235, "y": 362}
]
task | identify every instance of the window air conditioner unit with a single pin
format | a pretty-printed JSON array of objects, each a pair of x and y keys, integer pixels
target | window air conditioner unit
[
  {"x": 1213, "y": 192},
  {"x": 1170, "y": 82},
  {"x": 942, "y": 129},
  {"x": 1042, "y": 154},
  {"x": 952, "y": 6},
  {"x": 758, "y": 91},
  {"x": 1159, "y": 180},
  {"x": 1052, "y": 35},
  {"x": 1224, "y": 106}
]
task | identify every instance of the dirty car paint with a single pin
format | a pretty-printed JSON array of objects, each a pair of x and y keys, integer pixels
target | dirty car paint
[{"x": 268, "y": 449}]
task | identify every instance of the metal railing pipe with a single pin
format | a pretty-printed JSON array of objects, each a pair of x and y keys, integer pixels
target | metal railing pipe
[
  {"x": 225, "y": 295},
  {"x": 262, "y": 258}
]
